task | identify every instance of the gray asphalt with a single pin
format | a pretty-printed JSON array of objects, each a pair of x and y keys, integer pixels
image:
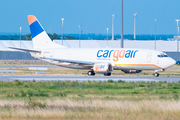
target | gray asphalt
[
  {"x": 81, "y": 78},
  {"x": 88, "y": 78}
]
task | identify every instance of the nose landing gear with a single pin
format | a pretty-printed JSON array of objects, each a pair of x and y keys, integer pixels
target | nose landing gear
[
  {"x": 91, "y": 73},
  {"x": 156, "y": 74}
]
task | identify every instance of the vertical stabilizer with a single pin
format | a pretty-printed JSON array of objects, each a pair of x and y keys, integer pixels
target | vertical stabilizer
[{"x": 39, "y": 36}]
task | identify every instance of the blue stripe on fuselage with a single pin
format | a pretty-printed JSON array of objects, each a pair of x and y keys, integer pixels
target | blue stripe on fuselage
[{"x": 36, "y": 29}]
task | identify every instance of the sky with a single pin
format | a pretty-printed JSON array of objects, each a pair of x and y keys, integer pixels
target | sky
[{"x": 94, "y": 16}]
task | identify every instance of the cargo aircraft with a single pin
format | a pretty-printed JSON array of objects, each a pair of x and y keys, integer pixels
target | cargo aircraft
[{"x": 96, "y": 60}]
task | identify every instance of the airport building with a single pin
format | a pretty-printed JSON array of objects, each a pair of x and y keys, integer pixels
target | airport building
[{"x": 169, "y": 47}]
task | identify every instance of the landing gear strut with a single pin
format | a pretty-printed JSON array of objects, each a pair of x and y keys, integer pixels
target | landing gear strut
[
  {"x": 91, "y": 73},
  {"x": 107, "y": 74},
  {"x": 156, "y": 74}
]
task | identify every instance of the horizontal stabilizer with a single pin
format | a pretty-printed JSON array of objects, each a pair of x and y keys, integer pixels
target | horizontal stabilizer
[
  {"x": 70, "y": 61},
  {"x": 27, "y": 50}
]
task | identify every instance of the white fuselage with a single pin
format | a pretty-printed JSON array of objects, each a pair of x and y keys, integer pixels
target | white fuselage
[{"x": 121, "y": 59}]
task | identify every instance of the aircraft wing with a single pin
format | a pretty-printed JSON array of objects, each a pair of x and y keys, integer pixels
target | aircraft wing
[
  {"x": 27, "y": 50},
  {"x": 69, "y": 61}
]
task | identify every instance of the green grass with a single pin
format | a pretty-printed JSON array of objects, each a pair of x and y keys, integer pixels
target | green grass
[
  {"x": 89, "y": 100},
  {"x": 116, "y": 90}
]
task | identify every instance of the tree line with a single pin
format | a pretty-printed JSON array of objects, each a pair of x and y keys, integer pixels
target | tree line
[
  {"x": 28, "y": 37},
  {"x": 52, "y": 36},
  {"x": 88, "y": 36}
]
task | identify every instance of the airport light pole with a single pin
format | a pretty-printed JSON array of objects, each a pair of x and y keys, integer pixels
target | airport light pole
[
  {"x": 20, "y": 36},
  {"x": 113, "y": 26},
  {"x": 178, "y": 40},
  {"x": 122, "y": 44},
  {"x": 62, "y": 29},
  {"x": 177, "y": 35},
  {"x": 107, "y": 37},
  {"x": 155, "y": 34},
  {"x": 135, "y": 26},
  {"x": 79, "y": 35}
]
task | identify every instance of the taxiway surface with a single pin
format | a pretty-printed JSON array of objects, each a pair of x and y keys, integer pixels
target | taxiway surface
[{"x": 88, "y": 78}]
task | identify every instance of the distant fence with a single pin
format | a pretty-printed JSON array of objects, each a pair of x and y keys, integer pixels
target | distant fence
[
  {"x": 18, "y": 57},
  {"x": 23, "y": 61},
  {"x": 174, "y": 55},
  {"x": 15, "y": 55}
]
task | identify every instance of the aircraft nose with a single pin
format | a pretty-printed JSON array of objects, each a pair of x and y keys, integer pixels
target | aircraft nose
[
  {"x": 172, "y": 62},
  {"x": 168, "y": 63}
]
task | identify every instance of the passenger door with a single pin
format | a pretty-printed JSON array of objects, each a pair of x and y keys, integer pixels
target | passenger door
[{"x": 149, "y": 57}]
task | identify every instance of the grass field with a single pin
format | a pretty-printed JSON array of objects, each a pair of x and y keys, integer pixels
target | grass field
[{"x": 89, "y": 100}]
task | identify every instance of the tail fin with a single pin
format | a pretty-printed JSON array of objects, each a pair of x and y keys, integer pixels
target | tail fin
[{"x": 39, "y": 36}]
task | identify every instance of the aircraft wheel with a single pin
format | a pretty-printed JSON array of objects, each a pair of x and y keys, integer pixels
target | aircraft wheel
[
  {"x": 107, "y": 74},
  {"x": 156, "y": 74},
  {"x": 91, "y": 73}
]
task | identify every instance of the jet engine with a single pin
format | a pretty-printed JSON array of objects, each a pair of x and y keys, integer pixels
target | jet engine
[
  {"x": 132, "y": 71},
  {"x": 103, "y": 68}
]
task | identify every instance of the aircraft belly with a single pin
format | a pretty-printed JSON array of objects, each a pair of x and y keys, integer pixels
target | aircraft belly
[
  {"x": 135, "y": 67},
  {"x": 77, "y": 67}
]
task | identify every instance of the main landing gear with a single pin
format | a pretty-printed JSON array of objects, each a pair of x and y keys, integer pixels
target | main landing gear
[
  {"x": 92, "y": 73},
  {"x": 156, "y": 74},
  {"x": 107, "y": 74}
]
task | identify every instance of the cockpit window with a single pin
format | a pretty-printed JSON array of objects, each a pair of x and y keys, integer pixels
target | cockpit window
[
  {"x": 165, "y": 55},
  {"x": 159, "y": 56},
  {"x": 162, "y": 55}
]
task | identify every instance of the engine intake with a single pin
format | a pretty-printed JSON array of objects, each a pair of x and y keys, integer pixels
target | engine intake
[{"x": 103, "y": 68}]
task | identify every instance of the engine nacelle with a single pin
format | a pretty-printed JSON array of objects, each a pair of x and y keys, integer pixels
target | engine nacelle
[
  {"x": 132, "y": 71},
  {"x": 103, "y": 68}
]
